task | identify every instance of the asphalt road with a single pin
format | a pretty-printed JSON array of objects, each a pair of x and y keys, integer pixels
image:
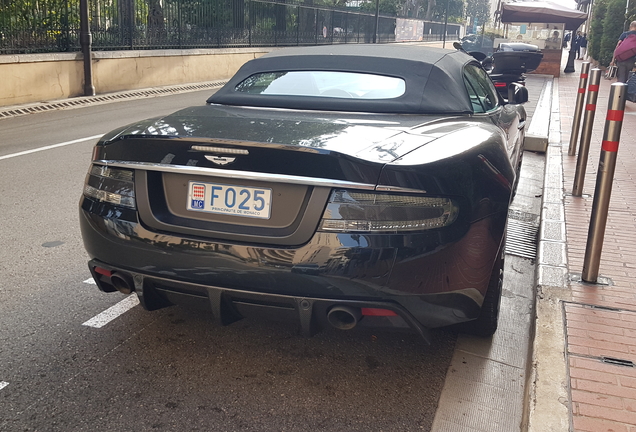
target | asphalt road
[{"x": 173, "y": 369}]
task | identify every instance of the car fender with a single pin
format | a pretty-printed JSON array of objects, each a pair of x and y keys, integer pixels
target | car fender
[{"x": 471, "y": 163}]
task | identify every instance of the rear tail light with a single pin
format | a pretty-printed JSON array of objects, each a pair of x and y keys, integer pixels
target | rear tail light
[
  {"x": 111, "y": 185},
  {"x": 349, "y": 211},
  {"x": 501, "y": 84}
]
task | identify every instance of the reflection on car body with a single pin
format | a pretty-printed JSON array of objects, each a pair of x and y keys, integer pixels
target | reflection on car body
[{"x": 327, "y": 184}]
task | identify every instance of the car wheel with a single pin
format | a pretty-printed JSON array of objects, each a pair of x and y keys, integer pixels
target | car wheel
[
  {"x": 518, "y": 176},
  {"x": 518, "y": 168},
  {"x": 486, "y": 323}
]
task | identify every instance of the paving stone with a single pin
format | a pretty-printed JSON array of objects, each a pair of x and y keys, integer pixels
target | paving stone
[{"x": 603, "y": 396}]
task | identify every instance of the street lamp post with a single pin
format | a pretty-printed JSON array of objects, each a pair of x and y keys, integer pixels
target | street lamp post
[
  {"x": 85, "y": 43},
  {"x": 445, "y": 24},
  {"x": 377, "y": 21}
]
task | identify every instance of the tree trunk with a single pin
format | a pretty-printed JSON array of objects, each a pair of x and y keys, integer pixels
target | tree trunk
[
  {"x": 429, "y": 9},
  {"x": 156, "y": 22}
]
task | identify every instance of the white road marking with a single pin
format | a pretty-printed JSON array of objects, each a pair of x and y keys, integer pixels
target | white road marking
[
  {"x": 39, "y": 149},
  {"x": 99, "y": 321},
  {"x": 3, "y": 384},
  {"x": 90, "y": 281}
]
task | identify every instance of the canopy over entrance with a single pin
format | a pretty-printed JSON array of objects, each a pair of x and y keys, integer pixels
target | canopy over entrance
[{"x": 542, "y": 12}]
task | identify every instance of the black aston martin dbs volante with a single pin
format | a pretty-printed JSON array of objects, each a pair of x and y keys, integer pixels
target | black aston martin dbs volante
[{"x": 336, "y": 185}]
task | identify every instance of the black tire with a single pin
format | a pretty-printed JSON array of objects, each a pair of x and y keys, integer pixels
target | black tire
[
  {"x": 518, "y": 168},
  {"x": 486, "y": 323}
]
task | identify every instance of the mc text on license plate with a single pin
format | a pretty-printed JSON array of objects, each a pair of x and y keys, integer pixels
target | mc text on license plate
[{"x": 229, "y": 199}]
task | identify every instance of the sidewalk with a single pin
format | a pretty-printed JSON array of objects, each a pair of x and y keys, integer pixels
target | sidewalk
[{"x": 600, "y": 319}]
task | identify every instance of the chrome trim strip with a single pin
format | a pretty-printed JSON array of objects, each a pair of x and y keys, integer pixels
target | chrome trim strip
[
  {"x": 215, "y": 172},
  {"x": 222, "y": 150},
  {"x": 383, "y": 188},
  {"x": 250, "y": 144}
]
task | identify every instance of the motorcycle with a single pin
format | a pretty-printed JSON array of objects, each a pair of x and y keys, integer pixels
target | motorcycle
[{"x": 508, "y": 65}]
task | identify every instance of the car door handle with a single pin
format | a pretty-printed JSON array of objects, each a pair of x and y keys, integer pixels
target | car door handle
[{"x": 521, "y": 125}]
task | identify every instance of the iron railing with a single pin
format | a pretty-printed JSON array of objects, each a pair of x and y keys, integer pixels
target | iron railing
[{"x": 32, "y": 26}]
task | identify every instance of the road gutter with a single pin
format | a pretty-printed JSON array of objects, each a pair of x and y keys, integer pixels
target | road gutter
[{"x": 486, "y": 384}]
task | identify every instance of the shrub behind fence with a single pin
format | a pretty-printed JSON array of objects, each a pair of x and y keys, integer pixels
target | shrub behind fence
[{"x": 31, "y": 26}]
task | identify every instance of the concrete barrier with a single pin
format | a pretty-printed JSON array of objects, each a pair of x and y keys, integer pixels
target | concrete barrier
[{"x": 537, "y": 133}]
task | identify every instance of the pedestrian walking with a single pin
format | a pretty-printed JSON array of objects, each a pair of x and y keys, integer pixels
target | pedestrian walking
[
  {"x": 583, "y": 47},
  {"x": 566, "y": 39},
  {"x": 625, "y": 53},
  {"x": 576, "y": 45}
]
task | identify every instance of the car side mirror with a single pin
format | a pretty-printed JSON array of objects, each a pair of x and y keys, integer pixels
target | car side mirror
[{"x": 517, "y": 93}]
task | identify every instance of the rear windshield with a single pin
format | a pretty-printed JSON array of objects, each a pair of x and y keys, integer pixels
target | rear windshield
[{"x": 324, "y": 84}]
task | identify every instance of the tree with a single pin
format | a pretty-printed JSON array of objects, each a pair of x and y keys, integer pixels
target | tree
[
  {"x": 631, "y": 15},
  {"x": 612, "y": 28},
  {"x": 156, "y": 21},
  {"x": 413, "y": 8},
  {"x": 430, "y": 7},
  {"x": 437, "y": 9},
  {"x": 455, "y": 10},
  {"x": 387, "y": 7},
  {"x": 596, "y": 29},
  {"x": 478, "y": 10}
]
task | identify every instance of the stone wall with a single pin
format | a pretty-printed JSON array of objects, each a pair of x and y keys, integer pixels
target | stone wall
[{"x": 42, "y": 77}]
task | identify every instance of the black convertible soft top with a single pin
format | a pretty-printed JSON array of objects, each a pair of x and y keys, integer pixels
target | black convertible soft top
[{"x": 433, "y": 77}]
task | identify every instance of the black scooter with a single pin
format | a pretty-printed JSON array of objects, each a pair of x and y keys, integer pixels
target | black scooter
[{"x": 508, "y": 65}]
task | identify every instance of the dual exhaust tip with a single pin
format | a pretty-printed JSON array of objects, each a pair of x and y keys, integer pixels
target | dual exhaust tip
[
  {"x": 119, "y": 281},
  {"x": 344, "y": 317},
  {"x": 122, "y": 283}
]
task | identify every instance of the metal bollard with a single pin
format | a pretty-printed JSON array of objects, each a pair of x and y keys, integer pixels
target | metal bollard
[
  {"x": 604, "y": 178},
  {"x": 586, "y": 132},
  {"x": 576, "y": 120}
]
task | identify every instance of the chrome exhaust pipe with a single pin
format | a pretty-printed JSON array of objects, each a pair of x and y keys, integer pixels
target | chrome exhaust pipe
[
  {"x": 344, "y": 317},
  {"x": 122, "y": 282}
]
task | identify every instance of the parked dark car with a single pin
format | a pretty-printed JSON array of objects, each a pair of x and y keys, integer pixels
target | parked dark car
[{"x": 335, "y": 185}]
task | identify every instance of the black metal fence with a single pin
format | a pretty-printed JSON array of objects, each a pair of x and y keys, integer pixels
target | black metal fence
[{"x": 30, "y": 26}]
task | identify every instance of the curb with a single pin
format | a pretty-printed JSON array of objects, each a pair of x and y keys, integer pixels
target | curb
[
  {"x": 485, "y": 389},
  {"x": 537, "y": 136},
  {"x": 548, "y": 398}
]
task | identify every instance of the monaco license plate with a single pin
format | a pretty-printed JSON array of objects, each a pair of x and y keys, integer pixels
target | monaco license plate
[{"x": 229, "y": 199}]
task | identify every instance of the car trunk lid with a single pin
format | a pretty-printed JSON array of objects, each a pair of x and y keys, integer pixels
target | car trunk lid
[{"x": 255, "y": 175}]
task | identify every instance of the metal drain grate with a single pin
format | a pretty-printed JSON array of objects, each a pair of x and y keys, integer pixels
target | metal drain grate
[
  {"x": 522, "y": 233},
  {"x": 106, "y": 98}
]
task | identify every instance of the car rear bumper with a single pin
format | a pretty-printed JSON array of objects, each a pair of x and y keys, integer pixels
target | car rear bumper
[
  {"x": 429, "y": 280},
  {"x": 229, "y": 305}
]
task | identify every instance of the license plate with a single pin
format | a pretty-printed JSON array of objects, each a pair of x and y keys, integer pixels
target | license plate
[{"x": 230, "y": 199}]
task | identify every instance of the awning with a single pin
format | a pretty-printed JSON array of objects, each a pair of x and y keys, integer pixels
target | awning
[{"x": 542, "y": 12}]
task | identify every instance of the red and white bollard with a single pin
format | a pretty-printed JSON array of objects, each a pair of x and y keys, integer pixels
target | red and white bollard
[
  {"x": 604, "y": 178},
  {"x": 586, "y": 132},
  {"x": 578, "y": 108}
]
